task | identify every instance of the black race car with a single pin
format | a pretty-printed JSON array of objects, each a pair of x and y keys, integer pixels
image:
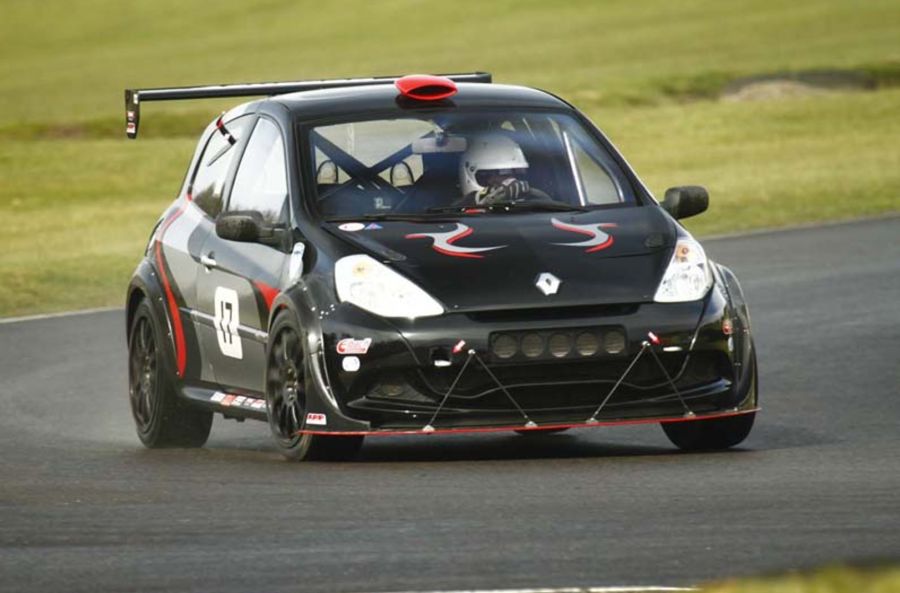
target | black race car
[{"x": 420, "y": 255}]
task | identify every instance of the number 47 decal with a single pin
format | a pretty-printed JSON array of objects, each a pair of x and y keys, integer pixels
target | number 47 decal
[{"x": 227, "y": 319}]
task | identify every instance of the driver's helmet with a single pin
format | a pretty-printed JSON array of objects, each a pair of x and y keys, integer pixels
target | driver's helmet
[{"x": 489, "y": 156}]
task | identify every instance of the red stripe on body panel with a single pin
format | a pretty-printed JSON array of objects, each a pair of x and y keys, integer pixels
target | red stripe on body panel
[
  {"x": 268, "y": 292},
  {"x": 594, "y": 230},
  {"x": 172, "y": 306},
  {"x": 443, "y": 242}
]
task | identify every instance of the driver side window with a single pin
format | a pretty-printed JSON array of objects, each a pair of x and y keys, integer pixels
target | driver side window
[
  {"x": 261, "y": 181},
  {"x": 215, "y": 163}
]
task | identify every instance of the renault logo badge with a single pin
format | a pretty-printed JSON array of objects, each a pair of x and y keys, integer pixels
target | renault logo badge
[{"x": 547, "y": 283}]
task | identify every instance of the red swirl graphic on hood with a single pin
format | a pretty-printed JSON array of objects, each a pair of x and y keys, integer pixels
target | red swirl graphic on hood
[
  {"x": 598, "y": 238},
  {"x": 444, "y": 242}
]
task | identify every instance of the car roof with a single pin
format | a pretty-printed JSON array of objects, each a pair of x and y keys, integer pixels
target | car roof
[{"x": 339, "y": 102}]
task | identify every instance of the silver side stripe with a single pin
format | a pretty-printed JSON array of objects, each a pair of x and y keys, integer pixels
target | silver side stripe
[{"x": 243, "y": 331}]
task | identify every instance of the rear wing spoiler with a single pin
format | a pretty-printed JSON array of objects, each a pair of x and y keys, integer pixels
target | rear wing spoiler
[{"x": 134, "y": 97}]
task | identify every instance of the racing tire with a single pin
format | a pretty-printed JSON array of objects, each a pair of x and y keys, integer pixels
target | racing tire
[
  {"x": 710, "y": 435},
  {"x": 161, "y": 418},
  {"x": 288, "y": 380}
]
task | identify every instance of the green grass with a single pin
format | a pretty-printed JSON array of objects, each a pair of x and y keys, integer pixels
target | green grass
[
  {"x": 77, "y": 200},
  {"x": 835, "y": 579},
  {"x": 59, "y": 63},
  {"x": 76, "y": 215}
]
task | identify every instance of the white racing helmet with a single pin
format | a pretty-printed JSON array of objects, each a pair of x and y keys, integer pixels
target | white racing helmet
[{"x": 487, "y": 155}]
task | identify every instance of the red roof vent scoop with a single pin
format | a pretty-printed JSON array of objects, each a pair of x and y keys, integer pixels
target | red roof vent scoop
[{"x": 424, "y": 87}]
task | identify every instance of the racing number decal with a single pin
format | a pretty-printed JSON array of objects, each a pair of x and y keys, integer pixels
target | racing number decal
[{"x": 228, "y": 317}]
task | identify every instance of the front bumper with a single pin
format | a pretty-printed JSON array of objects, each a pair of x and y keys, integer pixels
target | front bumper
[{"x": 409, "y": 369}]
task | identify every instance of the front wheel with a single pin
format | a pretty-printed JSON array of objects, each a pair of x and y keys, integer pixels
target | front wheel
[
  {"x": 710, "y": 435},
  {"x": 286, "y": 404}
]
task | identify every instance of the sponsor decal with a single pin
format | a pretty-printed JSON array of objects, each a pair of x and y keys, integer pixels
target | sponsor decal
[
  {"x": 353, "y": 346},
  {"x": 235, "y": 401},
  {"x": 351, "y": 227},
  {"x": 599, "y": 239},
  {"x": 227, "y": 319},
  {"x": 444, "y": 243},
  {"x": 373, "y": 226},
  {"x": 316, "y": 419},
  {"x": 350, "y": 364},
  {"x": 172, "y": 305}
]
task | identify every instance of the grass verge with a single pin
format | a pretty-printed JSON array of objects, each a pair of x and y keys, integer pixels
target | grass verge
[{"x": 835, "y": 579}]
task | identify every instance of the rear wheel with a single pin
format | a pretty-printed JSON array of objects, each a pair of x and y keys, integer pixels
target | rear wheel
[
  {"x": 286, "y": 383},
  {"x": 710, "y": 435},
  {"x": 161, "y": 419}
]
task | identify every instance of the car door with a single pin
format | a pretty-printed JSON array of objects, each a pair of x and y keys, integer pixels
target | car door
[
  {"x": 240, "y": 279},
  {"x": 208, "y": 182},
  {"x": 181, "y": 237}
]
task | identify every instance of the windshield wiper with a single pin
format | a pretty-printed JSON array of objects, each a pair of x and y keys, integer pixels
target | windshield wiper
[
  {"x": 519, "y": 205},
  {"x": 457, "y": 209},
  {"x": 408, "y": 217},
  {"x": 546, "y": 205}
]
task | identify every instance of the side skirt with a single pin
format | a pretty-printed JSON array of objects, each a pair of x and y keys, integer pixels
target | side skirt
[{"x": 231, "y": 405}]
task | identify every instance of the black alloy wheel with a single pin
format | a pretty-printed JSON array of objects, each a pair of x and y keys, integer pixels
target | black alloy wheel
[
  {"x": 161, "y": 419},
  {"x": 285, "y": 387},
  {"x": 142, "y": 373},
  {"x": 286, "y": 402}
]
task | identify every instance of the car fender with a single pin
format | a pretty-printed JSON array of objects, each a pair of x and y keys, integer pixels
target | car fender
[
  {"x": 303, "y": 300},
  {"x": 744, "y": 347},
  {"x": 145, "y": 284}
]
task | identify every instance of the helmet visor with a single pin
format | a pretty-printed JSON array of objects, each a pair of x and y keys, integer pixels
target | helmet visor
[{"x": 486, "y": 177}]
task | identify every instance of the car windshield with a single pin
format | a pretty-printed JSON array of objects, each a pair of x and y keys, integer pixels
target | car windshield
[{"x": 461, "y": 162}]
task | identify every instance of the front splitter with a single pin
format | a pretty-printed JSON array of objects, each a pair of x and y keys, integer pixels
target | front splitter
[{"x": 530, "y": 427}]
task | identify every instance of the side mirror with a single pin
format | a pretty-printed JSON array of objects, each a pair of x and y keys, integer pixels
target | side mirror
[
  {"x": 684, "y": 201},
  {"x": 248, "y": 227}
]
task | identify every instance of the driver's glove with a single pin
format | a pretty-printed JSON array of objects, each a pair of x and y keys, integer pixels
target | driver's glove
[{"x": 508, "y": 190}]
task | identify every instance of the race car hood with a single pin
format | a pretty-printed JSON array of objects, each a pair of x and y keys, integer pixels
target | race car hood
[{"x": 526, "y": 260}]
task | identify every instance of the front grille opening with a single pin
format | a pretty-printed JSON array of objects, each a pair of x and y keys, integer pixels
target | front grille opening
[{"x": 557, "y": 344}]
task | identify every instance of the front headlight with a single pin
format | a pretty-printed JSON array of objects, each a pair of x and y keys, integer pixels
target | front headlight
[
  {"x": 374, "y": 287},
  {"x": 688, "y": 276}
]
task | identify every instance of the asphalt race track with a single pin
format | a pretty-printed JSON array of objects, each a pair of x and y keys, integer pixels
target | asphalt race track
[{"x": 83, "y": 507}]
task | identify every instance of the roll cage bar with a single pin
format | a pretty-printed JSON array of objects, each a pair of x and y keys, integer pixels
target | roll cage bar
[{"x": 134, "y": 97}]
